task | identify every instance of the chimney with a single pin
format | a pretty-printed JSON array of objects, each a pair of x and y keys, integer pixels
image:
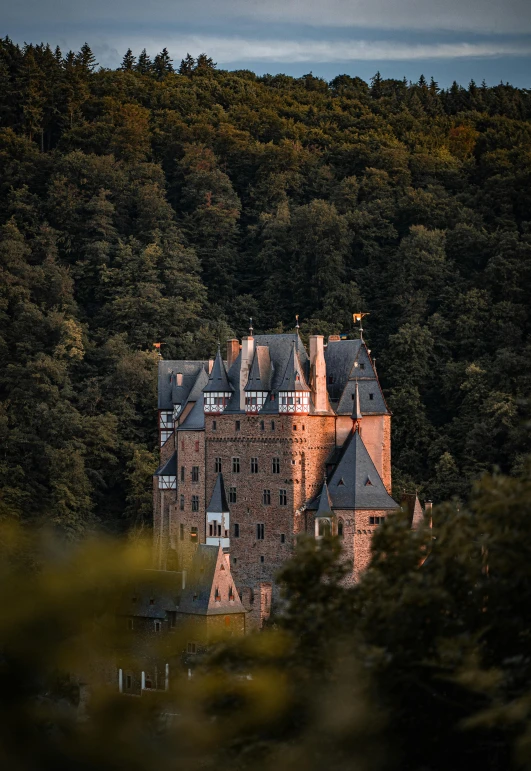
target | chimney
[
  {"x": 318, "y": 373},
  {"x": 247, "y": 358},
  {"x": 210, "y": 365},
  {"x": 233, "y": 349}
]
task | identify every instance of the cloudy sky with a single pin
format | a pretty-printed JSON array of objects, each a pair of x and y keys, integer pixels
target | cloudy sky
[{"x": 449, "y": 39}]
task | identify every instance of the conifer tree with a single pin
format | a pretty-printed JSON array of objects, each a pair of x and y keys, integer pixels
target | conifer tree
[{"x": 129, "y": 61}]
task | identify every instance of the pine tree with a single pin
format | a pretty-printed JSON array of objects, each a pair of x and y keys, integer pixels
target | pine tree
[
  {"x": 187, "y": 65},
  {"x": 129, "y": 61},
  {"x": 144, "y": 65},
  {"x": 163, "y": 65}
]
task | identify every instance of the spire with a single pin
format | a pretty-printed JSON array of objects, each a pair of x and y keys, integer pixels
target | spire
[
  {"x": 218, "y": 500},
  {"x": 297, "y": 327},
  {"x": 218, "y": 380},
  {"x": 325, "y": 505},
  {"x": 293, "y": 379},
  {"x": 356, "y": 410}
]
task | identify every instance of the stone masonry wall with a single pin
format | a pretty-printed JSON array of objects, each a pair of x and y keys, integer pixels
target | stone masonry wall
[{"x": 190, "y": 452}]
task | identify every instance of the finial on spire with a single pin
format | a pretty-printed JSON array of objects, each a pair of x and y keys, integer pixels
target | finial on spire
[
  {"x": 297, "y": 322},
  {"x": 358, "y": 317},
  {"x": 251, "y": 330}
]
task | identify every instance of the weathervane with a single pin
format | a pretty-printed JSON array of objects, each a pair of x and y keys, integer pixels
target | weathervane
[
  {"x": 297, "y": 322},
  {"x": 358, "y": 317}
]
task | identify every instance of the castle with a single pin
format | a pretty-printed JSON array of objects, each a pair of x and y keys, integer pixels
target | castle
[{"x": 271, "y": 442}]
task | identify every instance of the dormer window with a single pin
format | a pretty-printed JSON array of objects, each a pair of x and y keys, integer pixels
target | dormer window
[
  {"x": 255, "y": 400},
  {"x": 294, "y": 402},
  {"x": 216, "y": 401}
]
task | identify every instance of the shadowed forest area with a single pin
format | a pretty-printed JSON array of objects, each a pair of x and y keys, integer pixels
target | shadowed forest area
[{"x": 170, "y": 203}]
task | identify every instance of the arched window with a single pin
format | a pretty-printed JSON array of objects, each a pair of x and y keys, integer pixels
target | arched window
[
  {"x": 340, "y": 528},
  {"x": 325, "y": 527}
]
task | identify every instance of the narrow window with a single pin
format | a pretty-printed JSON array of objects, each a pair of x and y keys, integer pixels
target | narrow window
[
  {"x": 236, "y": 530},
  {"x": 294, "y": 428},
  {"x": 182, "y": 445},
  {"x": 235, "y": 560},
  {"x": 262, "y": 425},
  {"x": 214, "y": 425},
  {"x": 183, "y": 472},
  {"x": 282, "y": 538},
  {"x": 235, "y": 465},
  {"x": 371, "y": 397},
  {"x": 157, "y": 626},
  {"x": 182, "y": 503},
  {"x": 197, "y": 446},
  {"x": 193, "y": 534},
  {"x": 266, "y": 497},
  {"x": 232, "y": 495},
  {"x": 151, "y": 600},
  {"x": 181, "y": 531},
  {"x": 272, "y": 425},
  {"x": 276, "y": 465},
  {"x": 283, "y": 497},
  {"x": 128, "y": 682},
  {"x": 238, "y": 424},
  {"x": 195, "y": 473},
  {"x": 330, "y": 379},
  {"x": 195, "y": 503},
  {"x": 260, "y": 532},
  {"x": 262, "y": 558},
  {"x": 254, "y": 465},
  {"x": 172, "y": 615},
  {"x": 371, "y": 520},
  {"x": 340, "y": 528},
  {"x": 217, "y": 465}
]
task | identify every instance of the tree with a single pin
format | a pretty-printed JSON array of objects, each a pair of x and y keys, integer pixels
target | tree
[{"x": 129, "y": 61}]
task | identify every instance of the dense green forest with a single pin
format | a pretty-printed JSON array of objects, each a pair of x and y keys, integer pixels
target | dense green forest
[{"x": 161, "y": 203}]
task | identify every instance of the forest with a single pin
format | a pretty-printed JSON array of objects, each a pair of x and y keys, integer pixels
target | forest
[{"x": 169, "y": 202}]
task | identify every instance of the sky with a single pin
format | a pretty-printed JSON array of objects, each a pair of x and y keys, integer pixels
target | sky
[{"x": 447, "y": 39}]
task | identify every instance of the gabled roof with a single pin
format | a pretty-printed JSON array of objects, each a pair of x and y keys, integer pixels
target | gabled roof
[
  {"x": 293, "y": 378},
  {"x": 218, "y": 500},
  {"x": 410, "y": 502},
  {"x": 355, "y": 482},
  {"x": 155, "y": 593},
  {"x": 197, "y": 388},
  {"x": 261, "y": 370},
  {"x": 169, "y": 393},
  {"x": 169, "y": 468},
  {"x": 210, "y": 570},
  {"x": 324, "y": 508},
  {"x": 340, "y": 356},
  {"x": 280, "y": 349},
  {"x": 370, "y": 405},
  {"x": 218, "y": 380},
  {"x": 195, "y": 420}
]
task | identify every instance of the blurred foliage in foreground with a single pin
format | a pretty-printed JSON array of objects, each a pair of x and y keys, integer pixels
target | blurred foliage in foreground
[{"x": 421, "y": 666}]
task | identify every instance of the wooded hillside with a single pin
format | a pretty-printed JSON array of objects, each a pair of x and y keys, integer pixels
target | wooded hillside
[{"x": 147, "y": 204}]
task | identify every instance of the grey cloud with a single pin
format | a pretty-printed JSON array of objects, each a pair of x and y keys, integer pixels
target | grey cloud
[{"x": 459, "y": 15}]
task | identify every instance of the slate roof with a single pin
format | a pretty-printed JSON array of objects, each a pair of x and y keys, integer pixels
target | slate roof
[
  {"x": 169, "y": 393},
  {"x": 411, "y": 504},
  {"x": 355, "y": 482},
  {"x": 169, "y": 468},
  {"x": 261, "y": 371},
  {"x": 340, "y": 356},
  {"x": 218, "y": 500},
  {"x": 195, "y": 420},
  {"x": 374, "y": 406},
  {"x": 280, "y": 350},
  {"x": 218, "y": 380},
  {"x": 325, "y": 505},
  {"x": 293, "y": 378},
  {"x": 198, "y": 597},
  {"x": 356, "y": 411},
  {"x": 164, "y": 587}
]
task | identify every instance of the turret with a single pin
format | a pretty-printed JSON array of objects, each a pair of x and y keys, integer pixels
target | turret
[
  {"x": 325, "y": 519},
  {"x": 293, "y": 392},
  {"x": 218, "y": 390}
]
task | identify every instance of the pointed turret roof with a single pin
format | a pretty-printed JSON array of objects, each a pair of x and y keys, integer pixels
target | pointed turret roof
[
  {"x": 168, "y": 468},
  {"x": 355, "y": 482},
  {"x": 210, "y": 571},
  {"x": 218, "y": 500},
  {"x": 293, "y": 378},
  {"x": 325, "y": 505},
  {"x": 411, "y": 504},
  {"x": 218, "y": 380},
  {"x": 260, "y": 372}
]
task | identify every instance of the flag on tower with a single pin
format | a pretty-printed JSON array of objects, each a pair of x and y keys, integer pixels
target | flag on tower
[{"x": 358, "y": 316}]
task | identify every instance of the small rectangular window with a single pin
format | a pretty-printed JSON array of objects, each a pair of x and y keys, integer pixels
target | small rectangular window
[
  {"x": 262, "y": 558},
  {"x": 371, "y": 397},
  {"x": 283, "y": 497},
  {"x": 238, "y": 425},
  {"x": 157, "y": 626},
  {"x": 197, "y": 446},
  {"x": 195, "y": 473},
  {"x": 214, "y": 425},
  {"x": 262, "y": 425},
  {"x": 195, "y": 503},
  {"x": 182, "y": 503},
  {"x": 266, "y": 497},
  {"x": 194, "y": 534},
  {"x": 172, "y": 616},
  {"x": 236, "y": 530},
  {"x": 282, "y": 538},
  {"x": 181, "y": 531},
  {"x": 232, "y": 495},
  {"x": 217, "y": 465},
  {"x": 362, "y": 365},
  {"x": 254, "y": 465},
  {"x": 260, "y": 532},
  {"x": 183, "y": 472},
  {"x": 371, "y": 520},
  {"x": 272, "y": 425},
  {"x": 191, "y": 647},
  {"x": 276, "y": 465},
  {"x": 235, "y": 465}
]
